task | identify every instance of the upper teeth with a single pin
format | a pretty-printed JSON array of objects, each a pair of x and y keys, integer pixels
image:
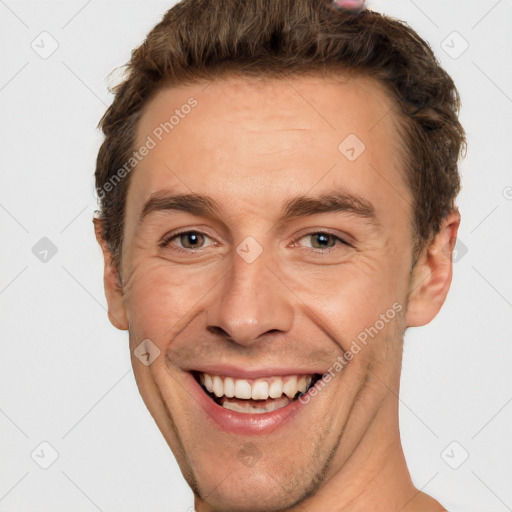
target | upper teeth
[{"x": 257, "y": 389}]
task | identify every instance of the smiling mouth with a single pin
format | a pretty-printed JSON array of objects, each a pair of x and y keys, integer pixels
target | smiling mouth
[{"x": 255, "y": 396}]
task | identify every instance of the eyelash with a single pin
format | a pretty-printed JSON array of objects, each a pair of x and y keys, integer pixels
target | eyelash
[
  {"x": 168, "y": 239},
  {"x": 327, "y": 250}
]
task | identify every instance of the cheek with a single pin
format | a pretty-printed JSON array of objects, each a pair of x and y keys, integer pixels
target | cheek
[
  {"x": 358, "y": 307},
  {"x": 343, "y": 300},
  {"x": 348, "y": 297},
  {"x": 159, "y": 299}
]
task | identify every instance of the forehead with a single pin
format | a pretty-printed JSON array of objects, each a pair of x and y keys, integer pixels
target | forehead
[{"x": 248, "y": 141}]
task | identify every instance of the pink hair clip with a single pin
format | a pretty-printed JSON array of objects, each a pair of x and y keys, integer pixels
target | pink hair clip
[{"x": 350, "y": 6}]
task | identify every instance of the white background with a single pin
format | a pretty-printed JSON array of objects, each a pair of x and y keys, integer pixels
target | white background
[{"x": 65, "y": 374}]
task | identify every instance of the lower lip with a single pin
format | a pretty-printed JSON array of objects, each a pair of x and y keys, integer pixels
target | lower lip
[{"x": 242, "y": 423}]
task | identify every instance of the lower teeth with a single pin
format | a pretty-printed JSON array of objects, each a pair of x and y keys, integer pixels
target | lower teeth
[{"x": 254, "y": 406}]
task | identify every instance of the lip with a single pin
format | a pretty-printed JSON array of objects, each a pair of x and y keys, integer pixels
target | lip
[
  {"x": 241, "y": 423},
  {"x": 237, "y": 372}
]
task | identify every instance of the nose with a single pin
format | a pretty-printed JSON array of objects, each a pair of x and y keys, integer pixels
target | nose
[{"x": 251, "y": 302}]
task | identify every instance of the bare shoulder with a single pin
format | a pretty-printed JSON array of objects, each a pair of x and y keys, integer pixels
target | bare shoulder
[{"x": 422, "y": 502}]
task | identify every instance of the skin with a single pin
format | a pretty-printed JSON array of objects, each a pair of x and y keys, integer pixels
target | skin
[{"x": 251, "y": 145}]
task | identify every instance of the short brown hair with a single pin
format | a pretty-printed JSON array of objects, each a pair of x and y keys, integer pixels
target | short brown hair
[{"x": 201, "y": 40}]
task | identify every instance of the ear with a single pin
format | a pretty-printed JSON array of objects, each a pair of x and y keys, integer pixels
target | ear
[
  {"x": 111, "y": 282},
  {"x": 432, "y": 275}
]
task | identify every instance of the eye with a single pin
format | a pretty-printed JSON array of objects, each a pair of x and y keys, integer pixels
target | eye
[
  {"x": 188, "y": 240},
  {"x": 322, "y": 240}
]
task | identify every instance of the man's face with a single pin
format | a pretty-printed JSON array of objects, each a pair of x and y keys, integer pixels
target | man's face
[{"x": 267, "y": 288}]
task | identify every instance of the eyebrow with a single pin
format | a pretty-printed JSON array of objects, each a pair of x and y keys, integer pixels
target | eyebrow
[{"x": 300, "y": 206}]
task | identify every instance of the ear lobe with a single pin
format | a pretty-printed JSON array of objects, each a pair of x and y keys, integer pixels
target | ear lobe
[
  {"x": 432, "y": 274},
  {"x": 111, "y": 282}
]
